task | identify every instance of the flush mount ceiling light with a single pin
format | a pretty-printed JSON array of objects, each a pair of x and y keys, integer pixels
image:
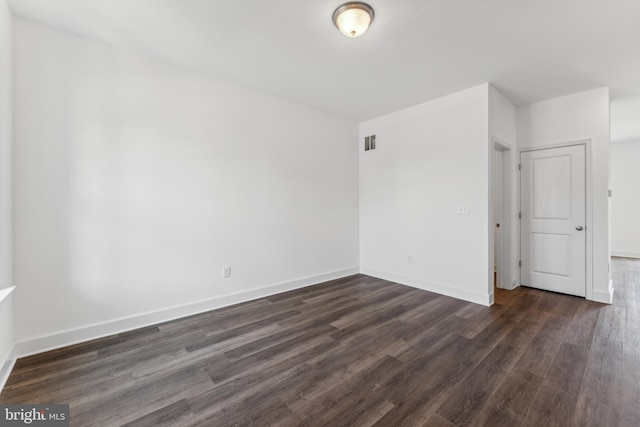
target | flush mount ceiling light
[{"x": 353, "y": 19}]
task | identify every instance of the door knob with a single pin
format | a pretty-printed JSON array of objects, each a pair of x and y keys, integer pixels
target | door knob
[{"x": 579, "y": 228}]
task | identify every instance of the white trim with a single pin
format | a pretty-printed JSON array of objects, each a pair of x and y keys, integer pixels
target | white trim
[
  {"x": 625, "y": 254},
  {"x": 6, "y": 292},
  {"x": 67, "y": 337},
  {"x": 558, "y": 145},
  {"x": 6, "y": 366},
  {"x": 447, "y": 290},
  {"x": 604, "y": 297}
]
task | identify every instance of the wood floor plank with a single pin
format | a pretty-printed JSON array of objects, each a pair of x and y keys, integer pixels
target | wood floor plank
[
  {"x": 360, "y": 351},
  {"x": 249, "y": 390},
  {"x": 290, "y": 352},
  {"x": 479, "y": 322},
  {"x": 136, "y": 401},
  {"x": 538, "y": 356},
  {"x": 369, "y": 313},
  {"x": 421, "y": 340},
  {"x": 444, "y": 308},
  {"x": 365, "y": 411},
  {"x": 583, "y": 324},
  {"x": 353, "y": 398},
  {"x": 265, "y": 413},
  {"x": 508, "y": 406},
  {"x": 631, "y": 358},
  {"x": 551, "y": 407},
  {"x": 215, "y": 338},
  {"x": 24, "y": 375},
  {"x": 602, "y": 387},
  {"x": 522, "y": 333},
  {"x": 368, "y": 323},
  {"x": 170, "y": 415},
  {"x": 611, "y": 323},
  {"x": 431, "y": 376},
  {"x": 468, "y": 398},
  {"x": 435, "y": 420},
  {"x": 567, "y": 369}
]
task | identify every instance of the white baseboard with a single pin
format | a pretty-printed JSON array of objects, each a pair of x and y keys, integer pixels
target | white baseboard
[
  {"x": 605, "y": 297},
  {"x": 450, "y": 291},
  {"x": 626, "y": 254},
  {"x": 64, "y": 338},
  {"x": 511, "y": 286},
  {"x": 6, "y": 366}
]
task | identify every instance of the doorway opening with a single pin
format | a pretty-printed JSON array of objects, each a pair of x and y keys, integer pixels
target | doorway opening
[{"x": 502, "y": 216}]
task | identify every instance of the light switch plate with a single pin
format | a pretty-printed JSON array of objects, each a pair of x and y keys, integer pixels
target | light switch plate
[{"x": 226, "y": 271}]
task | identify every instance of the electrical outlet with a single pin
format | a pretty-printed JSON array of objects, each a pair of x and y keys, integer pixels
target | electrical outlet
[
  {"x": 463, "y": 210},
  {"x": 410, "y": 259},
  {"x": 226, "y": 271}
]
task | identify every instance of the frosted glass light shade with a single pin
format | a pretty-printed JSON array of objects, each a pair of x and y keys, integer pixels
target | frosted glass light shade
[{"x": 353, "y": 19}]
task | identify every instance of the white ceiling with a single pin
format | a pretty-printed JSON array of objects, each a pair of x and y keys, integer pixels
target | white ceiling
[{"x": 415, "y": 50}]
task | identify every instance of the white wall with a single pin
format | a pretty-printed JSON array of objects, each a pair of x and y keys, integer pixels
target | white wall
[
  {"x": 577, "y": 117},
  {"x": 136, "y": 181},
  {"x": 502, "y": 118},
  {"x": 6, "y": 279},
  {"x": 502, "y": 129},
  {"x": 625, "y": 203},
  {"x": 430, "y": 159},
  {"x": 6, "y": 59}
]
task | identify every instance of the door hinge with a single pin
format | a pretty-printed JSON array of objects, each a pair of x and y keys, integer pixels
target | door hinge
[
  {"x": 519, "y": 215},
  {"x": 519, "y": 166},
  {"x": 519, "y": 263}
]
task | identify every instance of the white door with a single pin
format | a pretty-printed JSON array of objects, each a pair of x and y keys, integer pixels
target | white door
[{"x": 553, "y": 219}]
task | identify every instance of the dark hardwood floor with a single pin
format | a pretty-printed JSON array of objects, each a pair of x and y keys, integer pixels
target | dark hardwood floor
[{"x": 360, "y": 351}]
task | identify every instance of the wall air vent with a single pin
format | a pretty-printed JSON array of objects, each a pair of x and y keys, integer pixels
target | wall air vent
[{"x": 369, "y": 143}]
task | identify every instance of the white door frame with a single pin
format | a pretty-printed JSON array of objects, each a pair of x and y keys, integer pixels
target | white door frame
[
  {"x": 499, "y": 223},
  {"x": 508, "y": 225},
  {"x": 588, "y": 145}
]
